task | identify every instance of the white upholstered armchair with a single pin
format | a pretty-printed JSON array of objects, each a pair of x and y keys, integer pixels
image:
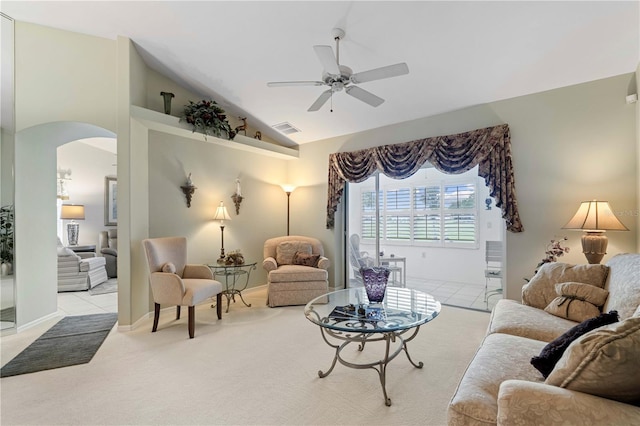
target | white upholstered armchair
[
  {"x": 174, "y": 282},
  {"x": 297, "y": 270},
  {"x": 77, "y": 273}
]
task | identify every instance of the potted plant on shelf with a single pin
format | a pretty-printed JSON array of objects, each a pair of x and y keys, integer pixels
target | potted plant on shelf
[{"x": 209, "y": 118}]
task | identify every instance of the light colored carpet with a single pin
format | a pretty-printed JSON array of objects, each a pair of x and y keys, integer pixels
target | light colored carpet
[{"x": 256, "y": 366}]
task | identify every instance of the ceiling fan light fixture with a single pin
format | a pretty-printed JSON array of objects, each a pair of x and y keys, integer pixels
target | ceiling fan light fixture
[{"x": 339, "y": 77}]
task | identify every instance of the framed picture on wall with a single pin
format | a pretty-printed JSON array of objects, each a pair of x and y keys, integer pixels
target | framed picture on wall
[{"x": 110, "y": 201}]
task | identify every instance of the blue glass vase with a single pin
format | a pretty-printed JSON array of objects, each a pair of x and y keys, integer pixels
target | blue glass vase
[{"x": 375, "y": 282}]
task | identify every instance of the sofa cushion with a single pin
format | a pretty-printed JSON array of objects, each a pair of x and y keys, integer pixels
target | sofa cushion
[
  {"x": 287, "y": 249},
  {"x": 65, "y": 251},
  {"x": 577, "y": 301},
  {"x": 476, "y": 399},
  {"x": 297, "y": 273},
  {"x": 623, "y": 284},
  {"x": 553, "y": 351},
  {"x": 540, "y": 291},
  {"x": 306, "y": 259},
  {"x": 511, "y": 317},
  {"x": 604, "y": 362}
]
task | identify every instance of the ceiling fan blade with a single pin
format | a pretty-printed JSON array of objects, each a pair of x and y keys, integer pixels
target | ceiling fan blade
[
  {"x": 380, "y": 73},
  {"x": 328, "y": 61},
  {"x": 364, "y": 96},
  {"x": 294, "y": 83},
  {"x": 324, "y": 97}
]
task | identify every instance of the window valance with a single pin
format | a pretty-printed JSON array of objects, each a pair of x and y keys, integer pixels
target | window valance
[{"x": 490, "y": 148}]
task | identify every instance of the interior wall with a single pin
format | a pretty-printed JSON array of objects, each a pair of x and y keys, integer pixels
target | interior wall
[
  {"x": 89, "y": 167},
  {"x": 79, "y": 65},
  {"x": 570, "y": 144},
  {"x": 213, "y": 171}
]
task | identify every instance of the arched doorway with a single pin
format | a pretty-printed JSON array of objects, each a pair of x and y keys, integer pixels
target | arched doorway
[{"x": 35, "y": 214}]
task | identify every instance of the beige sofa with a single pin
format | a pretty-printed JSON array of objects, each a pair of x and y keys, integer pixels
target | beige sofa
[
  {"x": 597, "y": 378},
  {"x": 297, "y": 270}
]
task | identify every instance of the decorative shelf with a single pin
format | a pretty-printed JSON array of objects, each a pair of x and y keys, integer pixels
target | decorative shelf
[{"x": 172, "y": 125}]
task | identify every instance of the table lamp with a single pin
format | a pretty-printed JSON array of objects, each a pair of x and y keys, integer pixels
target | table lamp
[
  {"x": 595, "y": 218},
  {"x": 221, "y": 215},
  {"x": 72, "y": 212}
]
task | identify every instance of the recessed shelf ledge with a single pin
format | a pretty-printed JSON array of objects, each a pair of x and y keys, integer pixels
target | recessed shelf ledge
[{"x": 171, "y": 125}]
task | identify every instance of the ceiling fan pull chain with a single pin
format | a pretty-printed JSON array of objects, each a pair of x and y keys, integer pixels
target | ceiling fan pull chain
[{"x": 331, "y": 110}]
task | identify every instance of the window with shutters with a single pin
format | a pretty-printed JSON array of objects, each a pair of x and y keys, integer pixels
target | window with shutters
[{"x": 441, "y": 214}]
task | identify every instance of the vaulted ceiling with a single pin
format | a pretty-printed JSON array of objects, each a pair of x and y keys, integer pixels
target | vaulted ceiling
[{"x": 458, "y": 53}]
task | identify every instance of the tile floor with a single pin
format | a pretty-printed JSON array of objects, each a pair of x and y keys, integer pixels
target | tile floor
[
  {"x": 465, "y": 295},
  {"x": 82, "y": 303}
]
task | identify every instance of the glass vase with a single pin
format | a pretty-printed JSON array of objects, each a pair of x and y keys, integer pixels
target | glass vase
[{"x": 375, "y": 282}]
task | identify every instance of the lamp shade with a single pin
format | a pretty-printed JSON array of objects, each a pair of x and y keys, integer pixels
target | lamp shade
[
  {"x": 288, "y": 188},
  {"x": 595, "y": 216},
  {"x": 221, "y": 213},
  {"x": 72, "y": 212}
]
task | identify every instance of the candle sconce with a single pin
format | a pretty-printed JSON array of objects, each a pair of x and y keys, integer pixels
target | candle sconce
[
  {"x": 237, "y": 199},
  {"x": 188, "y": 189}
]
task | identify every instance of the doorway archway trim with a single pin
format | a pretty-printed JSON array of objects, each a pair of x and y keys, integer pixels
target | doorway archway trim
[{"x": 489, "y": 148}]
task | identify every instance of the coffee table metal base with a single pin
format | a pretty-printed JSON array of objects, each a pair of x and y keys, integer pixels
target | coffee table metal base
[{"x": 362, "y": 338}]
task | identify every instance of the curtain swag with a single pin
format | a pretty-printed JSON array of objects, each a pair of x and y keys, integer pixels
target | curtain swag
[{"x": 490, "y": 148}]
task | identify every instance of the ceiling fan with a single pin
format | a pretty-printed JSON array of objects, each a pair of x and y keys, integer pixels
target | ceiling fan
[{"x": 339, "y": 77}]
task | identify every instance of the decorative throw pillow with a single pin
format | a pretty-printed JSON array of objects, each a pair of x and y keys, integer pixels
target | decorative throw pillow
[
  {"x": 577, "y": 301},
  {"x": 540, "y": 291},
  {"x": 169, "y": 268},
  {"x": 552, "y": 352},
  {"x": 64, "y": 251},
  {"x": 605, "y": 362},
  {"x": 306, "y": 259},
  {"x": 286, "y": 249}
]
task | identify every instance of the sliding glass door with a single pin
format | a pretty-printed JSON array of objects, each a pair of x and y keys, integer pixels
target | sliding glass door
[{"x": 430, "y": 230}]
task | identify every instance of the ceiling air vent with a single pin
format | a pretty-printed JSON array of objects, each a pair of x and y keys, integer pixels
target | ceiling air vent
[{"x": 285, "y": 128}]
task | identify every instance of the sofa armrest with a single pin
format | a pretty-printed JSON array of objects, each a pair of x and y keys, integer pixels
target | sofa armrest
[
  {"x": 110, "y": 251},
  {"x": 86, "y": 255},
  {"x": 269, "y": 264},
  {"x": 197, "y": 271},
  {"x": 527, "y": 403},
  {"x": 324, "y": 263}
]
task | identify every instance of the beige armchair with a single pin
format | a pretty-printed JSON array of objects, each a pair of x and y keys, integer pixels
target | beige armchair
[
  {"x": 174, "y": 282},
  {"x": 297, "y": 270}
]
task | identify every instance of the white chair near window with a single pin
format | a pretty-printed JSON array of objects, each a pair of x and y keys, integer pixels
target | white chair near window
[{"x": 494, "y": 270}]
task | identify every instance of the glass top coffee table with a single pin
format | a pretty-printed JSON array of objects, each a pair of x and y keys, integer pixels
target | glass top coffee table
[{"x": 350, "y": 318}]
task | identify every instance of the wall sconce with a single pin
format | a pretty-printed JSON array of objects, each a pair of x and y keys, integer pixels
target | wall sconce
[
  {"x": 237, "y": 197},
  {"x": 72, "y": 212},
  {"x": 221, "y": 215},
  {"x": 595, "y": 218},
  {"x": 288, "y": 189},
  {"x": 188, "y": 190}
]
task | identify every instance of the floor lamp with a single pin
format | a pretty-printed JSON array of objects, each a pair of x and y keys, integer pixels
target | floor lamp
[
  {"x": 595, "y": 218},
  {"x": 221, "y": 215},
  {"x": 288, "y": 189},
  {"x": 72, "y": 212}
]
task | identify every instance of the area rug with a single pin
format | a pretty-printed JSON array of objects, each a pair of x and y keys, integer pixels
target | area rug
[
  {"x": 73, "y": 340},
  {"x": 109, "y": 286}
]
